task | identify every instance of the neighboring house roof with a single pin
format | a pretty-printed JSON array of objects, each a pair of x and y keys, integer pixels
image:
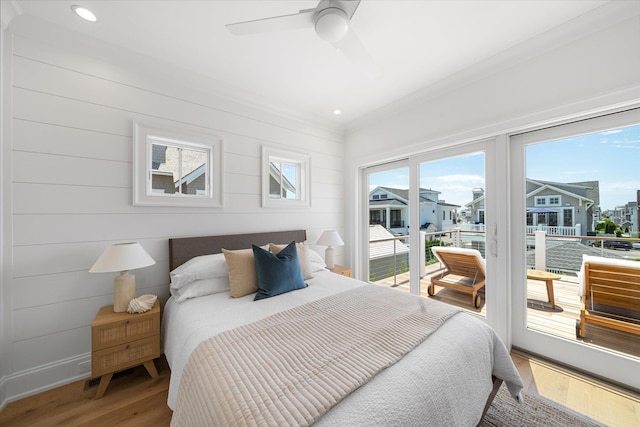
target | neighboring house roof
[
  {"x": 428, "y": 226},
  {"x": 451, "y": 205},
  {"x": 384, "y": 249},
  {"x": 402, "y": 194},
  {"x": 191, "y": 176},
  {"x": 475, "y": 201},
  {"x": 587, "y": 191},
  {"x": 567, "y": 256},
  {"x": 387, "y": 202}
]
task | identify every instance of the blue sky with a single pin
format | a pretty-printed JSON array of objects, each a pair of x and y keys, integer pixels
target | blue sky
[{"x": 610, "y": 157}]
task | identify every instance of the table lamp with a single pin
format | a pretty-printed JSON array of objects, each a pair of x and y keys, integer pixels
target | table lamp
[
  {"x": 122, "y": 257},
  {"x": 329, "y": 238}
]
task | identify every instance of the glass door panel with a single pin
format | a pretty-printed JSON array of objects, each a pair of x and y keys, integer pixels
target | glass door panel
[
  {"x": 580, "y": 211},
  {"x": 576, "y": 196},
  {"x": 388, "y": 228},
  {"x": 452, "y": 215}
]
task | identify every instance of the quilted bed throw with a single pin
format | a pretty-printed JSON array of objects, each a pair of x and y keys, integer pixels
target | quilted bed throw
[{"x": 292, "y": 367}]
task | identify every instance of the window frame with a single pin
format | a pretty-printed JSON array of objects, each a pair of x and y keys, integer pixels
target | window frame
[
  {"x": 145, "y": 136},
  {"x": 303, "y": 178},
  {"x": 540, "y": 201},
  {"x": 554, "y": 197}
]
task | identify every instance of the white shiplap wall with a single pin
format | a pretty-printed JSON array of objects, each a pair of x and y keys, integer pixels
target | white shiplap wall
[{"x": 70, "y": 179}]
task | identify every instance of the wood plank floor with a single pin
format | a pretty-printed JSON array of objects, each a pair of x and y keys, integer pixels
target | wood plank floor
[
  {"x": 132, "y": 399},
  {"x": 137, "y": 400}
]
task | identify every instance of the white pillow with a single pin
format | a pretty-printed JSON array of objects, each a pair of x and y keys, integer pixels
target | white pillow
[
  {"x": 201, "y": 288},
  {"x": 316, "y": 261},
  {"x": 201, "y": 267}
]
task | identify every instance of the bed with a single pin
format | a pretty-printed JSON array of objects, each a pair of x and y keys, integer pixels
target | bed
[{"x": 448, "y": 378}]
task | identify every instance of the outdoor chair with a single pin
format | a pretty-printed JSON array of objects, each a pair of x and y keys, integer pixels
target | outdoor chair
[
  {"x": 464, "y": 271},
  {"x": 610, "y": 293}
]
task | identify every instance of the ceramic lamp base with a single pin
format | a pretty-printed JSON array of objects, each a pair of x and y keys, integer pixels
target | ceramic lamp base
[
  {"x": 124, "y": 290},
  {"x": 328, "y": 257}
]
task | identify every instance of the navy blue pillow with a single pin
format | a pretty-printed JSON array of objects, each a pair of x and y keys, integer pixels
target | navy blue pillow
[{"x": 279, "y": 273}]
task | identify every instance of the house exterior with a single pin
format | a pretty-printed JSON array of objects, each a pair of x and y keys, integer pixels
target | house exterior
[
  {"x": 626, "y": 217},
  {"x": 167, "y": 167},
  {"x": 475, "y": 209},
  {"x": 559, "y": 208},
  {"x": 389, "y": 207}
]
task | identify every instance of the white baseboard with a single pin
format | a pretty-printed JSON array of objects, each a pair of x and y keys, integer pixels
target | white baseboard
[{"x": 33, "y": 381}]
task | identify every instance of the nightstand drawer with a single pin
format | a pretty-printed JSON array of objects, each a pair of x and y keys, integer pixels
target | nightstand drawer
[
  {"x": 124, "y": 356},
  {"x": 120, "y": 328}
]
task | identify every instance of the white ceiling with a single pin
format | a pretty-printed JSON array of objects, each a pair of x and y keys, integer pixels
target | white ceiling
[{"x": 414, "y": 44}]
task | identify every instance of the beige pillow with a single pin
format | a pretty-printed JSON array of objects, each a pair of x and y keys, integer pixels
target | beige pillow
[
  {"x": 303, "y": 257},
  {"x": 242, "y": 271}
]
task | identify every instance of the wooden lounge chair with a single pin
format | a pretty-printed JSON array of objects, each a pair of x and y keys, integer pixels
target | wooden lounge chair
[
  {"x": 610, "y": 294},
  {"x": 465, "y": 271}
]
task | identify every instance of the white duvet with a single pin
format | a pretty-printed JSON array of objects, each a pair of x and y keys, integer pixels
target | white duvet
[{"x": 450, "y": 370}]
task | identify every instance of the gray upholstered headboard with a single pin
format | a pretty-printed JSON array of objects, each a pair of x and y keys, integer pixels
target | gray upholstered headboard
[{"x": 183, "y": 249}]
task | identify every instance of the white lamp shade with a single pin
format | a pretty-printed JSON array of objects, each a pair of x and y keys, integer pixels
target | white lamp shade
[
  {"x": 122, "y": 257},
  {"x": 330, "y": 238}
]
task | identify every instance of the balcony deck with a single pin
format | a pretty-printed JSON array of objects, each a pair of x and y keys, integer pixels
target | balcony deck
[{"x": 557, "y": 323}]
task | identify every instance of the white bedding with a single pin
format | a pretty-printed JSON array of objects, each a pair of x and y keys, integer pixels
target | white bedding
[{"x": 452, "y": 368}]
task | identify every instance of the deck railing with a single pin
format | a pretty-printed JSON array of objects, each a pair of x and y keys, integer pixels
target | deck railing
[
  {"x": 556, "y": 230},
  {"x": 390, "y": 256},
  {"x": 541, "y": 244}
]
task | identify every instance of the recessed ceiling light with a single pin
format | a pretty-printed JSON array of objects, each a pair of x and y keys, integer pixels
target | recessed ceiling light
[
  {"x": 337, "y": 112},
  {"x": 84, "y": 13}
]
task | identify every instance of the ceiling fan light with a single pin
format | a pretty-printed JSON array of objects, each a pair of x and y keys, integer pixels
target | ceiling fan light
[{"x": 332, "y": 24}]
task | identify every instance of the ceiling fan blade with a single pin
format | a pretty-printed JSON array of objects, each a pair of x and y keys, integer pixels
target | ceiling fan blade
[
  {"x": 354, "y": 50},
  {"x": 349, "y": 6},
  {"x": 303, "y": 19}
]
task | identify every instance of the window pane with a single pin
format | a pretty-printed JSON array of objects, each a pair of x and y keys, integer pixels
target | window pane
[
  {"x": 165, "y": 164},
  {"x": 289, "y": 181},
  {"x": 172, "y": 168},
  {"x": 194, "y": 172},
  {"x": 598, "y": 205},
  {"x": 452, "y": 214},
  {"x": 285, "y": 179},
  {"x": 275, "y": 180},
  {"x": 389, "y": 228}
]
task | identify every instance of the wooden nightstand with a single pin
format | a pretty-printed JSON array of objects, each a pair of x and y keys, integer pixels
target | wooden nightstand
[
  {"x": 122, "y": 340},
  {"x": 341, "y": 269}
]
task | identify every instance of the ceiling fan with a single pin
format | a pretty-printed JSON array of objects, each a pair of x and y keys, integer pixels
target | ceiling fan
[{"x": 330, "y": 19}]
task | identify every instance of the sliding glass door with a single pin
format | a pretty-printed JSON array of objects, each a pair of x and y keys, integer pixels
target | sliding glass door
[
  {"x": 437, "y": 199},
  {"x": 575, "y": 191}
]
